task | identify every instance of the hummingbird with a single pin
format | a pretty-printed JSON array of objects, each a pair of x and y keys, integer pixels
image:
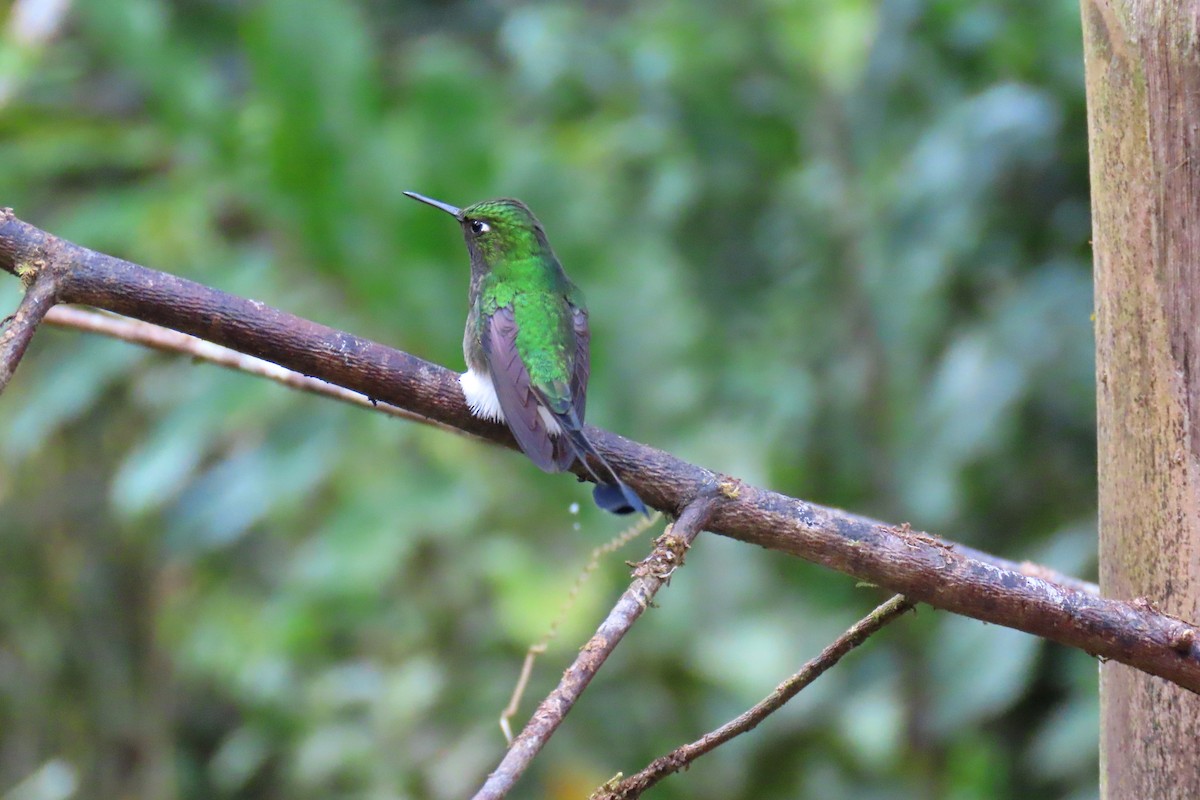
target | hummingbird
[{"x": 526, "y": 344}]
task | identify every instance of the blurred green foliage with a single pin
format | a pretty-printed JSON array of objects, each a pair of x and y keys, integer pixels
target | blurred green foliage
[{"x": 836, "y": 248}]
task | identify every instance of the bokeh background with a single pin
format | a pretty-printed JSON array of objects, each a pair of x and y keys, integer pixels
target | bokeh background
[{"x": 837, "y": 248}]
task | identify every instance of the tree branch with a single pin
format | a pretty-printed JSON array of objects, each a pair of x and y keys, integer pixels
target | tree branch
[
  {"x": 629, "y": 534},
  {"x": 17, "y": 331},
  {"x": 169, "y": 341},
  {"x": 923, "y": 568},
  {"x": 682, "y": 757},
  {"x": 649, "y": 576}
]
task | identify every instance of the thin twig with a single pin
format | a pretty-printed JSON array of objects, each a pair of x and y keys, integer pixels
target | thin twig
[
  {"x": 616, "y": 543},
  {"x": 169, "y": 341},
  {"x": 649, "y": 576},
  {"x": 681, "y": 757},
  {"x": 17, "y": 331}
]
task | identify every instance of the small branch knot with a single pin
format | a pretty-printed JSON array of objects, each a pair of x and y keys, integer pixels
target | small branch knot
[
  {"x": 606, "y": 789},
  {"x": 666, "y": 557},
  {"x": 730, "y": 488},
  {"x": 1143, "y": 604},
  {"x": 28, "y": 270},
  {"x": 1183, "y": 641}
]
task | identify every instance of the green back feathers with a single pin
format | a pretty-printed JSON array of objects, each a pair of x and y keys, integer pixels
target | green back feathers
[{"x": 546, "y": 344}]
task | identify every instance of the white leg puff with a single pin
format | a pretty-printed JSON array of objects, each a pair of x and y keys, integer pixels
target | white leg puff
[{"x": 480, "y": 394}]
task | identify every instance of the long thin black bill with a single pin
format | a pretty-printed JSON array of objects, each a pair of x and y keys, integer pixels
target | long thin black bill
[{"x": 449, "y": 209}]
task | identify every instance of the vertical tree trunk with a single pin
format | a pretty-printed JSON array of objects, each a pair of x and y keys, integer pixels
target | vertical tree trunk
[{"x": 1143, "y": 92}]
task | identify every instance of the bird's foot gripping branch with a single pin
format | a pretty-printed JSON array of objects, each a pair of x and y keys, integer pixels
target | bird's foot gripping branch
[{"x": 921, "y": 567}]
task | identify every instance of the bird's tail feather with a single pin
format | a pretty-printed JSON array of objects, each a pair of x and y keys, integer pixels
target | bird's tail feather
[
  {"x": 611, "y": 493},
  {"x": 617, "y": 498}
]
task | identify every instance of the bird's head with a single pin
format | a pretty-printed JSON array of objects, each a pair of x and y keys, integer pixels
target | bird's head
[{"x": 497, "y": 232}]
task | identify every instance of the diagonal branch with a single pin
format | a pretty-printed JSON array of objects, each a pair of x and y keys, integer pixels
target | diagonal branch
[
  {"x": 649, "y": 576},
  {"x": 682, "y": 757},
  {"x": 17, "y": 331},
  {"x": 169, "y": 341},
  {"x": 921, "y": 567},
  {"x": 608, "y": 548}
]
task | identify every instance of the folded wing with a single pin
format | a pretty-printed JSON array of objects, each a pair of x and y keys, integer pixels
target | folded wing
[{"x": 518, "y": 400}]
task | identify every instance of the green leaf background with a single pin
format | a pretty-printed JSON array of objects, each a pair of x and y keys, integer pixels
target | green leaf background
[{"x": 836, "y": 248}]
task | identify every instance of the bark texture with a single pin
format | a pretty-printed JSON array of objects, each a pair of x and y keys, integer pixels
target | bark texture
[{"x": 1143, "y": 92}]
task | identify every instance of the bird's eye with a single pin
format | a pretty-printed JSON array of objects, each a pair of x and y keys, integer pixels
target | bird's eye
[{"x": 478, "y": 226}]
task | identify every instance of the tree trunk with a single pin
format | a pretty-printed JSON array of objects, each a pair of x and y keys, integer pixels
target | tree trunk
[{"x": 1143, "y": 95}]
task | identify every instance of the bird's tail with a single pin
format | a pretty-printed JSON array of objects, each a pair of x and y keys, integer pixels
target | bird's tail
[{"x": 611, "y": 493}]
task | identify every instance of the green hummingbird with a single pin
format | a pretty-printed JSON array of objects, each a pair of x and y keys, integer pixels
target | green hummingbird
[{"x": 526, "y": 343}]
